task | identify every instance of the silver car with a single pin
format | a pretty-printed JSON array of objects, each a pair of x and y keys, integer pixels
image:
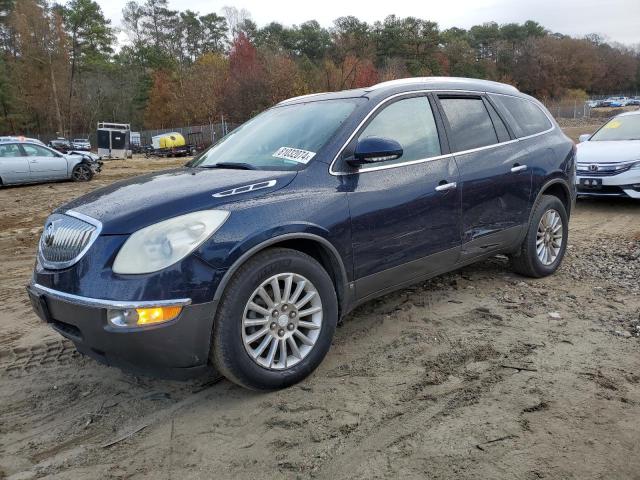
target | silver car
[
  {"x": 30, "y": 162},
  {"x": 608, "y": 162}
]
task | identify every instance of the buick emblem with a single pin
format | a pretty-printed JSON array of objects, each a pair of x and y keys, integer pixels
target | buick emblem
[
  {"x": 593, "y": 168},
  {"x": 49, "y": 233}
]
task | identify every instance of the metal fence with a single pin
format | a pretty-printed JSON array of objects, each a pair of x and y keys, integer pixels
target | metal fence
[
  {"x": 200, "y": 134},
  {"x": 206, "y": 134},
  {"x": 568, "y": 108}
]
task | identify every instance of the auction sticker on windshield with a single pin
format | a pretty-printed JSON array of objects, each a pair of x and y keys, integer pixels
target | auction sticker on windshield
[{"x": 294, "y": 154}]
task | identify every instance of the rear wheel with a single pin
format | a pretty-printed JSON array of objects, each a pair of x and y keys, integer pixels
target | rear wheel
[
  {"x": 82, "y": 173},
  {"x": 545, "y": 243},
  {"x": 275, "y": 321}
]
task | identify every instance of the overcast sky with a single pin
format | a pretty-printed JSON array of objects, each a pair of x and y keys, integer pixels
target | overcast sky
[{"x": 617, "y": 20}]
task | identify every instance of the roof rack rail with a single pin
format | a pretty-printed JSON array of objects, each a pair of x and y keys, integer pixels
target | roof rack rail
[{"x": 460, "y": 80}]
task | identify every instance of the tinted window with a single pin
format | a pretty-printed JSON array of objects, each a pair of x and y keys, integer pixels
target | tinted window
[
  {"x": 10, "y": 150},
  {"x": 498, "y": 124},
  {"x": 37, "y": 151},
  {"x": 471, "y": 126},
  {"x": 528, "y": 118},
  {"x": 410, "y": 122}
]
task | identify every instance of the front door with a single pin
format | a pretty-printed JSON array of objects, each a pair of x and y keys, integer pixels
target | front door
[
  {"x": 45, "y": 164},
  {"x": 405, "y": 213}
]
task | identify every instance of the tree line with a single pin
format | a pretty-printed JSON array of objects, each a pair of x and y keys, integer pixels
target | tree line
[{"x": 62, "y": 69}]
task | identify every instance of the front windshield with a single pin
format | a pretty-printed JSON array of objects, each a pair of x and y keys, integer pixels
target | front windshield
[
  {"x": 282, "y": 138},
  {"x": 626, "y": 127}
]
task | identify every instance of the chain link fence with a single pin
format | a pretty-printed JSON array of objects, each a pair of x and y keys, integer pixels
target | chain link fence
[{"x": 201, "y": 135}]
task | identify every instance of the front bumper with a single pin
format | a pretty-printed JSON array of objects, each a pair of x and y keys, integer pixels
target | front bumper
[
  {"x": 177, "y": 349},
  {"x": 625, "y": 184}
]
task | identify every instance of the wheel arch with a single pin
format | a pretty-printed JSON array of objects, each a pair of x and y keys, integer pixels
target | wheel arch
[
  {"x": 559, "y": 188},
  {"x": 315, "y": 246}
]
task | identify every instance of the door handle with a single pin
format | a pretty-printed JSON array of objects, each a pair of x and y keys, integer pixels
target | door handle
[
  {"x": 34, "y": 161},
  {"x": 518, "y": 168},
  {"x": 446, "y": 186}
]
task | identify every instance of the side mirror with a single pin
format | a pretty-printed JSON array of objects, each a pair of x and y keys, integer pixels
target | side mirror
[
  {"x": 375, "y": 149},
  {"x": 584, "y": 137}
]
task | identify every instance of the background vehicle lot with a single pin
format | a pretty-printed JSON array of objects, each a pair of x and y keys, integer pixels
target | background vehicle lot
[{"x": 479, "y": 374}]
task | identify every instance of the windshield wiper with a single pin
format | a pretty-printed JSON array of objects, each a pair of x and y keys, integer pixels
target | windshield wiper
[{"x": 232, "y": 165}]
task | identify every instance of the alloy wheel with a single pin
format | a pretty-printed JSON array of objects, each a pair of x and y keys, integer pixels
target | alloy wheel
[
  {"x": 81, "y": 173},
  {"x": 549, "y": 237},
  {"x": 282, "y": 321}
]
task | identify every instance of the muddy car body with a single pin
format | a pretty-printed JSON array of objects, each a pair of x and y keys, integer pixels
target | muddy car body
[{"x": 313, "y": 207}]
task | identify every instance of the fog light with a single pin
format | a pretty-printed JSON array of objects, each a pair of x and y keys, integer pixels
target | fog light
[{"x": 133, "y": 317}]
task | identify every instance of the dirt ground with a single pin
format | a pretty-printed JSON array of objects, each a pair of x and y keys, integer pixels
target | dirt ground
[{"x": 479, "y": 373}]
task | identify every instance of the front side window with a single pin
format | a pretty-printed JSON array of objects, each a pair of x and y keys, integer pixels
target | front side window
[
  {"x": 471, "y": 125},
  {"x": 619, "y": 128},
  {"x": 410, "y": 122},
  {"x": 283, "y": 138},
  {"x": 37, "y": 151},
  {"x": 527, "y": 117}
]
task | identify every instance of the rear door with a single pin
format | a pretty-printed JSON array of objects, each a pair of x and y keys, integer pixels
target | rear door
[
  {"x": 405, "y": 213},
  {"x": 495, "y": 180},
  {"x": 14, "y": 167},
  {"x": 45, "y": 163}
]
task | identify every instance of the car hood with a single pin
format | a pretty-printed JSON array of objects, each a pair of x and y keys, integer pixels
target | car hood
[
  {"x": 135, "y": 203},
  {"x": 608, "y": 152}
]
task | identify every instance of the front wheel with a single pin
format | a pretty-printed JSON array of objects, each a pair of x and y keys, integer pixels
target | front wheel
[
  {"x": 275, "y": 321},
  {"x": 545, "y": 243},
  {"x": 82, "y": 173}
]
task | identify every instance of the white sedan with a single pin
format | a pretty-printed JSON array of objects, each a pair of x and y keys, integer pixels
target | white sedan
[
  {"x": 30, "y": 162},
  {"x": 608, "y": 162}
]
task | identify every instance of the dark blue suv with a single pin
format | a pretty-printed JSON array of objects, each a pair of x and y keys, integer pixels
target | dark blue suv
[{"x": 246, "y": 258}]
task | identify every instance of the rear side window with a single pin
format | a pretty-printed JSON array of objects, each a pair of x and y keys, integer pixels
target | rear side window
[
  {"x": 527, "y": 117},
  {"x": 471, "y": 125},
  {"x": 410, "y": 122},
  {"x": 10, "y": 150}
]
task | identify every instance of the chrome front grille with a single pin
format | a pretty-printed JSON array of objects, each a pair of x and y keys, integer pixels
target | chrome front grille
[
  {"x": 66, "y": 238},
  {"x": 602, "y": 169}
]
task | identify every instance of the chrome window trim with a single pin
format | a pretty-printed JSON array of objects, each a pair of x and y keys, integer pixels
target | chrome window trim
[
  {"x": 94, "y": 235},
  {"x": 114, "y": 304},
  {"x": 335, "y": 173}
]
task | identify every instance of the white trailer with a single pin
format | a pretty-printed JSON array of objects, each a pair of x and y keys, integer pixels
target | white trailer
[{"x": 114, "y": 140}]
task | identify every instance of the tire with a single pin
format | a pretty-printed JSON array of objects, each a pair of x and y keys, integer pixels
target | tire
[
  {"x": 528, "y": 261},
  {"x": 230, "y": 353},
  {"x": 81, "y": 173}
]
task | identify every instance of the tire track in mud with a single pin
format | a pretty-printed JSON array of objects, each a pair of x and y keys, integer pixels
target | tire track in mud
[{"x": 18, "y": 360}]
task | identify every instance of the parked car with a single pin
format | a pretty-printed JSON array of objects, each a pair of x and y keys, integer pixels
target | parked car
[
  {"x": 248, "y": 256},
  {"x": 617, "y": 101},
  {"x": 82, "y": 144},
  {"x": 608, "y": 162},
  {"x": 634, "y": 101},
  {"x": 30, "y": 162},
  {"x": 62, "y": 145},
  {"x": 20, "y": 139}
]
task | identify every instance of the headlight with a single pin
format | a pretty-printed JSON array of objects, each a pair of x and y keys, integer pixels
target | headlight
[
  {"x": 165, "y": 243},
  {"x": 636, "y": 166}
]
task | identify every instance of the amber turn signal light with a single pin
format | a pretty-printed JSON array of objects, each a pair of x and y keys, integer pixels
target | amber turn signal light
[
  {"x": 135, "y": 317},
  {"x": 148, "y": 316}
]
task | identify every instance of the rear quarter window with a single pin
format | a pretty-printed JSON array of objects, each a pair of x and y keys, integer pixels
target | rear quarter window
[{"x": 525, "y": 117}]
